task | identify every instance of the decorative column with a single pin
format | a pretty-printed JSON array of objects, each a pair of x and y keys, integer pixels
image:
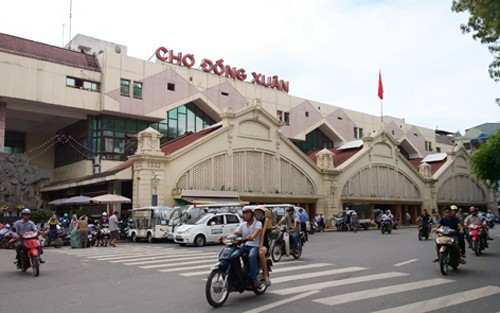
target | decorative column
[
  {"x": 429, "y": 193},
  {"x": 149, "y": 166}
]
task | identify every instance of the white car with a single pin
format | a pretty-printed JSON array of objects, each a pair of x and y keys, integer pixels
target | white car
[{"x": 207, "y": 228}]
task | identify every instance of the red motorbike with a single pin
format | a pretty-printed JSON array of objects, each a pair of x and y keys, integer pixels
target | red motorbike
[
  {"x": 30, "y": 252},
  {"x": 476, "y": 238}
]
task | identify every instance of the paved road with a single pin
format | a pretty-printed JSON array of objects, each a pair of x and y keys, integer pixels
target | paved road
[{"x": 339, "y": 272}]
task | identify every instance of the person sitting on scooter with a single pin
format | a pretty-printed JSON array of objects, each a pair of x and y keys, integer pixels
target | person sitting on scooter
[
  {"x": 473, "y": 218},
  {"x": 261, "y": 214},
  {"x": 292, "y": 224},
  {"x": 22, "y": 226},
  {"x": 425, "y": 217},
  {"x": 250, "y": 231},
  {"x": 452, "y": 222}
]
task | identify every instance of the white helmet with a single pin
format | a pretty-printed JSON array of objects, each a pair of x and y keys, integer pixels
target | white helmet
[
  {"x": 388, "y": 212},
  {"x": 104, "y": 213},
  {"x": 25, "y": 211}
]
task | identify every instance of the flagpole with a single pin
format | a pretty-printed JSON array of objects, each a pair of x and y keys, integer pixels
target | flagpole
[{"x": 382, "y": 111}]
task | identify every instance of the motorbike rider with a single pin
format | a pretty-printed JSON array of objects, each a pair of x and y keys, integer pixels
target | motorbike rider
[
  {"x": 104, "y": 219},
  {"x": 425, "y": 217},
  {"x": 250, "y": 231},
  {"x": 452, "y": 222},
  {"x": 387, "y": 217},
  {"x": 473, "y": 218},
  {"x": 64, "y": 220},
  {"x": 22, "y": 226},
  {"x": 456, "y": 212},
  {"x": 263, "y": 215},
  {"x": 292, "y": 224}
]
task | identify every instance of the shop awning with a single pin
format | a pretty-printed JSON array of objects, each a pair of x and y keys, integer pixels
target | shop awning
[{"x": 200, "y": 196}]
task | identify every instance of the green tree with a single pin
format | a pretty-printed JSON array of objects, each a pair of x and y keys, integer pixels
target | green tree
[
  {"x": 484, "y": 24},
  {"x": 486, "y": 160}
]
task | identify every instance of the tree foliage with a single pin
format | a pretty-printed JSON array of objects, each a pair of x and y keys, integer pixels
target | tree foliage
[
  {"x": 484, "y": 24},
  {"x": 486, "y": 160}
]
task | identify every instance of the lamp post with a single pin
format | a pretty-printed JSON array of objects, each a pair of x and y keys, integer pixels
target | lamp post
[{"x": 155, "y": 180}]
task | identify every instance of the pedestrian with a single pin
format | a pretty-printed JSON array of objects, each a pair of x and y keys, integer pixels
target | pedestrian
[
  {"x": 85, "y": 218},
  {"x": 435, "y": 217},
  {"x": 53, "y": 223},
  {"x": 302, "y": 220},
  {"x": 322, "y": 222},
  {"x": 113, "y": 228},
  {"x": 354, "y": 225},
  {"x": 83, "y": 228},
  {"x": 408, "y": 219}
]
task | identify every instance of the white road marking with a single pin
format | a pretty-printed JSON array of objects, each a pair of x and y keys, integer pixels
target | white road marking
[
  {"x": 171, "y": 259},
  {"x": 286, "y": 301},
  {"x": 157, "y": 259},
  {"x": 382, "y": 291},
  {"x": 444, "y": 301},
  {"x": 278, "y": 280},
  {"x": 299, "y": 267},
  {"x": 175, "y": 264},
  {"x": 406, "y": 262},
  {"x": 207, "y": 271},
  {"x": 335, "y": 283},
  {"x": 188, "y": 268}
]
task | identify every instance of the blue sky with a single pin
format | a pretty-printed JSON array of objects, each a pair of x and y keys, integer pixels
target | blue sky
[{"x": 329, "y": 51}]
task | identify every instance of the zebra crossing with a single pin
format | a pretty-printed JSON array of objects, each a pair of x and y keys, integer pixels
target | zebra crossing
[{"x": 313, "y": 277}]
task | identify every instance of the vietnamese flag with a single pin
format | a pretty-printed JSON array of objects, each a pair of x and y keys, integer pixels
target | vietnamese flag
[{"x": 380, "y": 87}]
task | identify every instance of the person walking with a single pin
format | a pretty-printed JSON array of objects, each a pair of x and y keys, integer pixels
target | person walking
[
  {"x": 302, "y": 220},
  {"x": 113, "y": 228},
  {"x": 407, "y": 219}
]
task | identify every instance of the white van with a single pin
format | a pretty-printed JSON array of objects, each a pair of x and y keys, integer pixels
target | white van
[{"x": 151, "y": 223}]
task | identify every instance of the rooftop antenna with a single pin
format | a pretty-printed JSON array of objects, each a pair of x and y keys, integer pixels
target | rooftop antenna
[
  {"x": 70, "y": 11},
  {"x": 62, "y": 38}
]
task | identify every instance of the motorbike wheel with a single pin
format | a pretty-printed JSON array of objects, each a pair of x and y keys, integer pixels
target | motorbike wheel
[
  {"x": 420, "y": 235},
  {"x": 443, "y": 263},
  {"x": 298, "y": 253},
  {"x": 382, "y": 229},
  {"x": 389, "y": 231},
  {"x": 476, "y": 247},
  {"x": 276, "y": 253},
  {"x": 217, "y": 288},
  {"x": 58, "y": 243},
  {"x": 104, "y": 242},
  {"x": 35, "y": 264},
  {"x": 312, "y": 230}
]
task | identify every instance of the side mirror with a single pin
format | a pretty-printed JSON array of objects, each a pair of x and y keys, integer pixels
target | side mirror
[{"x": 212, "y": 223}]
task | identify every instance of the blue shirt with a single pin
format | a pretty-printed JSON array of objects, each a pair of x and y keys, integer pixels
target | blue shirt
[
  {"x": 302, "y": 217},
  {"x": 451, "y": 223},
  {"x": 22, "y": 227}
]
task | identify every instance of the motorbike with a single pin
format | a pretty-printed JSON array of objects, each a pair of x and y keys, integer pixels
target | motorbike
[
  {"x": 29, "y": 256},
  {"x": 385, "y": 226},
  {"x": 6, "y": 235},
  {"x": 227, "y": 275},
  {"x": 490, "y": 221},
  {"x": 449, "y": 252},
  {"x": 313, "y": 227},
  {"x": 423, "y": 230},
  {"x": 281, "y": 244},
  {"x": 57, "y": 242},
  {"x": 105, "y": 235},
  {"x": 476, "y": 238}
]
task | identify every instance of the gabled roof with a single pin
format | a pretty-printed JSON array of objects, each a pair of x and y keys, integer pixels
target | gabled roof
[
  {"x": 340, "y": 155},
  {"x": 434, "y": 165},
  {"x": 45, "y": 52},
  {"x": 185, "y": 140}
]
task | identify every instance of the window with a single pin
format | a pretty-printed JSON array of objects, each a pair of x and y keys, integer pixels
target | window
[
  {"x": 315, "y": 140},
  {"x": 428, "y": 146},
  {"x": 125, "y": 87},
  {"x": 438, "y": 149},
  {"x": 307, "y": 114},
  {"x": 287, "y": 118},
  {"x": 82, "y": 84},
  {"x": 224, "y": 93},
  {"x": 170, "y": 86},
  {"x": 137, "y": 90},
  {"x": 232, "y": 219},
  {"x": 14, "y": 142},
  {"x": 279, "y": 115},
  {"x": 358, "y": 132}
]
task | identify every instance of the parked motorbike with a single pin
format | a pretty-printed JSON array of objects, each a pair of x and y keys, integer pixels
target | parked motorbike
[
  {"x": 6, "y": 234},
  {"x": 385, "y": 226},
  {"x": 449, "y": 252},
  {"x": 227, "y": 275},
  {"x": 476, "y": 238},
  {"x": 29, "y": 255},
  {"x": 423, "y": 230},
  {"x": 313, "y": 227},
  {"x": 57, "y": 242},
  {"x": 281, "y": 244}
]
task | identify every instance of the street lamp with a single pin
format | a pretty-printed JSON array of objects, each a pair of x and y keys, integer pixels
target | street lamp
[{"x": 154, "y": 184}]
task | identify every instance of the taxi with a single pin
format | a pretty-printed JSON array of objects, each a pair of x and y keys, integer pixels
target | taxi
[{"x": 207, "y": 228}]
